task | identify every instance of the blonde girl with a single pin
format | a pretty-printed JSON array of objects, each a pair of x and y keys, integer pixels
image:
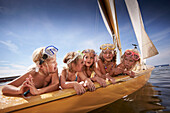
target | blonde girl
[
  {"x": 89, "y": 69},
  {"x": 107, "y": 61},
  {"x": 70, "y": 78},
  {"x": 41, "y": 78},
  {"x": 128, "y": 61}
]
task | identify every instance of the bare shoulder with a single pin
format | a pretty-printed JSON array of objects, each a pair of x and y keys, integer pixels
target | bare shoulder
[
  {"x": 120, "y": 65},
  {"x": 63, "y": 72},
  {"x": 100, "y": 62},
  {"x": 80, "y": 73}
]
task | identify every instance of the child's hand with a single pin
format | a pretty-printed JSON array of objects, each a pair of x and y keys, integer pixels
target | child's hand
[
  {"x": 101, "y": 81},
  {"x": 110, "y": 78},
  {"x": 118, "y": 71},
  {"x": 130, "y": 73},
  {"x": 30, "y": 84},
  {"x": 79, "y": 89},
  {"x": 22, "y": 88},
  {"x": 90, "y": 84}
]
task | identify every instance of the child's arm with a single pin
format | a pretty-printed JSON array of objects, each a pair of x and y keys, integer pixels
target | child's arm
[
  {"x": 106, "y": 76},
  {"x": 130, "y": 73},
  {"x": 13, "y": 90},
  {"x": 54, "y": 85},
  {"x": 110, "y": 78},
  {"x": 118, "y": 70},
  {"x": 98, "y": 77},
  {"x": 87, "y": 81},
  {"x": 66, "y": 84},
  {"x": 71, "y": 84},
  {"x": 17, "y": 86},
  {"x": 99, "y": 74},
  {"x": 101, "y": 67}
]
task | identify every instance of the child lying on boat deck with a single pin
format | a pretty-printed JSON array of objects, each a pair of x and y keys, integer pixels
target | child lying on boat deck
[
  {"x": 70, "y": 78},
  {"x": 39, "y": 79},
  {"x": 89, "y": 69},
  {"x": 128, "y": 61},
  {"x": 107, "y": 61}
]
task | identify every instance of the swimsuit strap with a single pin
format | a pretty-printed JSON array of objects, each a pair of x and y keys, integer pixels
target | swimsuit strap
[
  {"x": 67, "y": 75},
  {"x": 92, "y": 74},
  {"x": 76, "y": 77},
  {"x": 105, "y": 67}
]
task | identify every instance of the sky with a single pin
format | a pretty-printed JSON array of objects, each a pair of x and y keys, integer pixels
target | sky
[{"x": 73, "y": 25}]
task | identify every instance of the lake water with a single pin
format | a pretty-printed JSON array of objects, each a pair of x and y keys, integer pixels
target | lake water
[{"x": 154, "y": 97}]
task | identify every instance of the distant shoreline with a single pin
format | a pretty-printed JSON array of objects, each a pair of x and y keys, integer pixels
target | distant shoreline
[{"x": 163, "y": 65}]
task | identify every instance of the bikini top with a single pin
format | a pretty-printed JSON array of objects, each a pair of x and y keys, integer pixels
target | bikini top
[
  {"x": 105, "y": 67},
  {"x": 67, "y": 75},
  {"x": 92, "y": 74}
]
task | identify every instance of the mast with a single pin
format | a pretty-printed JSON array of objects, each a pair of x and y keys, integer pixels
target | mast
[
  {"x": 108, "y": 12},
  {"x": 118, "y": 38}
]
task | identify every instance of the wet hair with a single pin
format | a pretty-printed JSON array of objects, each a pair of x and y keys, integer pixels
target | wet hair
[
  {"x": 69, "y": 56},
  {"x": 86, "y": 52},
  {"x": 38, "y": 55},
  {"x": 113, "y": 59}
]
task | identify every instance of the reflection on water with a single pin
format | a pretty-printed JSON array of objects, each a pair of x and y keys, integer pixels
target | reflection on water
[{"x": 152, "y": 98}]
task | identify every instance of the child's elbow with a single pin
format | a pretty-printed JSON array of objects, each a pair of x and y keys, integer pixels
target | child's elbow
[
  {"x": 56, "y": 85},
  {"x": 5, "y": 89}
]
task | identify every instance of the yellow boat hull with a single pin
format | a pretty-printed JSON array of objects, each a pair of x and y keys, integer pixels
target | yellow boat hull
[{"x": 67, "y": 101}]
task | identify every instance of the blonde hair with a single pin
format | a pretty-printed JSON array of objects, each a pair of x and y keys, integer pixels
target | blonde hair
[
  {"x": 36, "y": 56},
  {"x": 93, "y": 52},
  {"x": 113, "y": 59},
  {"x": 70, "y": 56}
]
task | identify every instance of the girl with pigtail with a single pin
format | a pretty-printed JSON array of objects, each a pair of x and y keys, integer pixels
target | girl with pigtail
[
  {"x": 70, "y": 78},
  {"x": 89, "y": 69}
]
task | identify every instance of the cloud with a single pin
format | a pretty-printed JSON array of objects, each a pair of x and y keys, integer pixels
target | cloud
[
  {"x": 13, "y": 34},
  {"x": 3, "y": 61},
  {"x": 11, "y": 46},
  {"x": 11, "y": 69},
  {"x": 160, "y": 35},
  {"x": 17, "y": 66},
  {"x": 11, "y": 72}
]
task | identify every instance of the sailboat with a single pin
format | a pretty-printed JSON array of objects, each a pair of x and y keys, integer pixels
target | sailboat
[{"x": 66, "y": 100}]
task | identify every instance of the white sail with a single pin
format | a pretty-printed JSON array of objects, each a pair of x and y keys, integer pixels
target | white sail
[
  {"x": 146, "y": 46},
  {"x": 108, "y": 12}
]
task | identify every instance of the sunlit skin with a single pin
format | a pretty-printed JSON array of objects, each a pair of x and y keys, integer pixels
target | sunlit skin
[
  {"x": 89, "y": 59},
  {"x": 78, "y": 67},
  {"x": 45, "y": 80},
  {"x": 125, "y": 66},
  {"x": 50, "y": 66},
  {"x": 129, "y": 62},
  {"x": 107, "y": 66},
  {"x": 108, "y": 55},
  {"x": 70, "y": 82}
]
